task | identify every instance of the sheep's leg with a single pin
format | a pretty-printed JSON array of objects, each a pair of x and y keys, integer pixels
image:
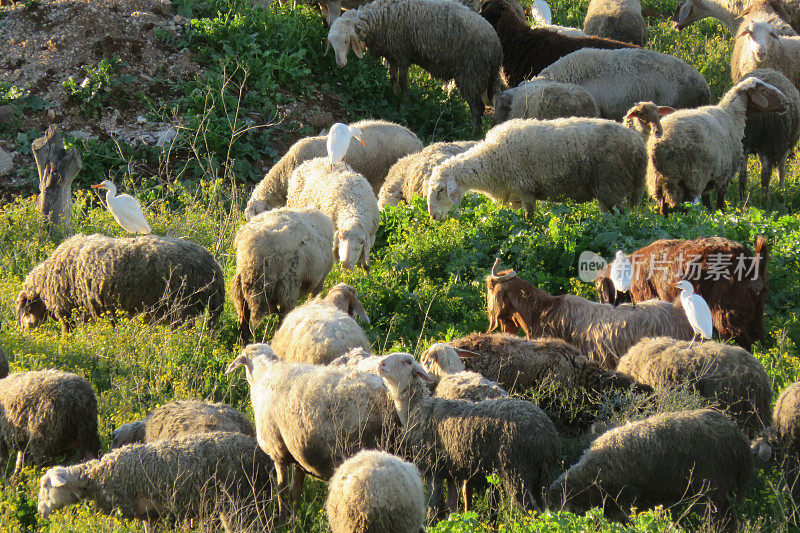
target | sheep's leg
[
  {"x": 721, "y": 191},
  {"x": 707, "y": 201},
  {"x": 20, "y": 462},
  {"x": 766, "y": 174},
  {"x": 394, "y": 78},
  {"x": 298, "y": 476},
  {"x": 530, "y": 207},
  {"x": 743, "y": 178},
  {"x": 435, "y": 501},
  {"x": 452, "y": 495},
  {"x": 282, "y": 477},
  {"x": 402, "y": 74},
  {"x": 466, "y": 494},
  {"x": 244, "y": 326}
]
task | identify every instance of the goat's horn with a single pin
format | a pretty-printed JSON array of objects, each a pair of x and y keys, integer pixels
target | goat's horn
[{"x": 504, "y": 277}]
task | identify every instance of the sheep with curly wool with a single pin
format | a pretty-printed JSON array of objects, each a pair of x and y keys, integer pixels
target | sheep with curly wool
[
  {"x": 169, "y": 280},
  {"x": 729, "y": 376},
  {"x": 544, "y": 99},
  {"x": 376, "y": 491},
  {"x": 323, "y": 329},
  {"x": 786, "y": 420},
  {"x": 444, "y": 38},
  {"x": 618, "y": 79},
  {"x": 46, "y": 413},
  {"x": 180, "y": 418},
  {"x": 346, "y": 198},
  {"x": 577, "y": 158},
  {"x": 601, "y": 331},
  {"x": 701, "y": 149},
  {"x": 734, "y": 13},
  {"x": 281, "y": 256},
  {"x": 620, "y": 20},
  {"x": 208, "y": 476},
  {"x": 771, "y": 136},
  {"x": 447, "y": 438},
  {"x": 294, "y": 406},
  {"x": 688, "y": 456},
  {"x": 409, "y": 176},
  {"x": 384, "y": 143}
]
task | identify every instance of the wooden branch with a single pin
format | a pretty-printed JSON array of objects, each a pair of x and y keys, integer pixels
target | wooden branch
[{"x": 57, "y": 168}]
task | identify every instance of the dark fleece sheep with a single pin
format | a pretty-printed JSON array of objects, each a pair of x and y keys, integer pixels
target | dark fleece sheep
[
  {"x": 728, "y": 375},
  {"x": 46, "y": 413},
  {"x": 168, "y": 279},
  {"x": 526, "y": 50},
  {"x": 445, "y": 38},
  {"x": 662, "y": 460}
]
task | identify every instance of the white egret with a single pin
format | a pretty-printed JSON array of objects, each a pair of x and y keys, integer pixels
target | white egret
[
  {"x": 621, "y": 273},
  {"x": 697, "y": 311},
  {"x": 125, "y": 209},
  {"x": 540, "y": 12},
  {"x": 339, "y": 141}
]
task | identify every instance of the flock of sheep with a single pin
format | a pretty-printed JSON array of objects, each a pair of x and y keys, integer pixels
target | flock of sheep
[{"x": 375, "y": 424}]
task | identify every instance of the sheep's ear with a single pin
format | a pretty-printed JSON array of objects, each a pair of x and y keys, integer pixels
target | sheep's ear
[
  {"x": 466, "y": 354},
  {"x": 358, "y": 46},
  {"x": 664, "y": 110},
  {"x": 359, "y": 311},
  {"x": 634, "y": 112},
  {"x": 453, "y": 192},
  {"x": 684, "y": 10},
  {"x": 422, "y": 374},
  {"x": 242, "y": 360},
  {"x": 756, "y": 95},
  {"x": 745, "y": 31},
  {"x": 59, "y": 477}
]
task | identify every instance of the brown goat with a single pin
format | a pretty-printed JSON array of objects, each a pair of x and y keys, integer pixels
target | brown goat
[
  {"x": 602, "y": 332},
  {"x": 737, "y": 305}
]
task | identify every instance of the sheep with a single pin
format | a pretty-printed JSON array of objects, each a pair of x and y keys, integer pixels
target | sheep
[
  {"x": 688, "y": 456},
  {"x": 618, "y": 79},
  {"x": 198, "y": 477},
  {"x": 346, "y": 198},
  {"x": 46, "y": 413},
  {"x": 448, "y": 438},
  {"x": 759, "y": 46},
  {"x": 728, "y": 375},
  {"x": 772, "y": 136},
  {"x": 645, "y": 117},
  {"x": 452, "y": 381},
  {"x": 314, "y": 416},
  {"x": 3, "y": 363},
  {"x": 786, "y": 420},
  {"x": 563, "y": 30},
  {"x": 701, "y": 149},
  {"x": 544, "y": 99},
  {"x": 376, "y": 491},
  {"x": 444, "y": 38},
  {"x": 170, "y": 280},
  {"x": 601, "y": 331},
  {"x": 577, "y": 158},
  {"x": 409, "y": 176},
  {"x": 359, "y": 359},
  {"x": 732, "y": 14},
  {"x": 526, "y": 50},
  {"x": 180, "y": 418},
  {"x": 620, "y": 20},
  {"x": 727, "y": 274},
  {"x": 321, "y": 330},
  {"x": 384, "y": 143},
  {"x": 281, "y": 256}
]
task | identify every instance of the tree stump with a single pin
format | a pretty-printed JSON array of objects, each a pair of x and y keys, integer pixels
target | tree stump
[{"x": 57, "y": 168}]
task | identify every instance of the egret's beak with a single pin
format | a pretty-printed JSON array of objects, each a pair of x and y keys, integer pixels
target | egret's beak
[
  {"x": 362, "y": 141},
  {"x": 98, "y": 186}
]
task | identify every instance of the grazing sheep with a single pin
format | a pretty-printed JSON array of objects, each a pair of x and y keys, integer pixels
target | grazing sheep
[
  {"x": 205, "y": 476},
  {"x": 618, "y": 79},
  {"x": 3, "y": 363},
  {"x": 786, "y": 420},
  {"x": 771, "y": 136},
  {"x": 346, "y": 198},
  {"x": 46, "y": 413},
  {"x": 314, "y": 416},
  {"x": 601, "y": 331},
  {"x": 645, "y": 117},
  {"x": 544, "y": 99},
  {"x": 620, "y": 20},
  {"x": 526, "y": 50},
  {"x": 733, "y": 14},
  {"x": 169, "y": 280},
  {"x": 321, "y": 330},
  {"x": 410, "y": 175},
  {"x": 376, "y": 491},
  {"x": 281, "y": 256},
  {"x": 180, "y": 418},
  {"x": 384, "y": 143},
  {"x": 444, "y": 38},
  {"x": 448, "y": 438},
  {"x": 701, "y": 149},
  {"x": 688, "y": 456},
  {"x": 758, "y": 45},
  {"x": 728, "y": 375},
  {"x": 452, "y": 381},
  {"x": 728, "y": 275},
  {"x": 577, "y": 158}
]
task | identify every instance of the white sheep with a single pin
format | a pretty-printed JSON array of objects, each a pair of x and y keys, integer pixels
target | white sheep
[
  {"x": 701, "y": 149},
  {"x": 384, "y": 143},
  {"x": 322, "y": 330},
  {"x": 577, "y": 158},
  {"x": 346, "y": 198},
  {"x": 733, "y": 13},
  {"x": 376, "y": 491},
  {"x": 544, "y": 99},
  {"x": 409, "y": 176},
  {"x": 618, "y": 79},
  {"x": 281, "y": 256},
  {"x": 758, "y": 45},
  {"x": 620, "y": 20}
]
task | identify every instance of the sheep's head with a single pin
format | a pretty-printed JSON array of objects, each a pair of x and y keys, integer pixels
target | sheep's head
[
  {"x": 761, "y": 96},
  {"x": 349, "y": 246},
  {"x": 129, "y": 433},
  {"x": 645, "y": 117},
  {"x": 443, "y": 193},
  {"x": 502, "y": 106},
  {"x": 493, "y": 10},
  {"x": 345, "y": 297},
  {"x": 398, "y": 371},
  {"x": 342, "y": 37},
  {"x": 688, "y": 12},
  {"x": 30, "y": 310},
  {"x": 759, "y": 36},
  {"x": 255, "y": 358},
  {"x": 58, "y": 488},
  {"x": 441, "y": 359}
]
